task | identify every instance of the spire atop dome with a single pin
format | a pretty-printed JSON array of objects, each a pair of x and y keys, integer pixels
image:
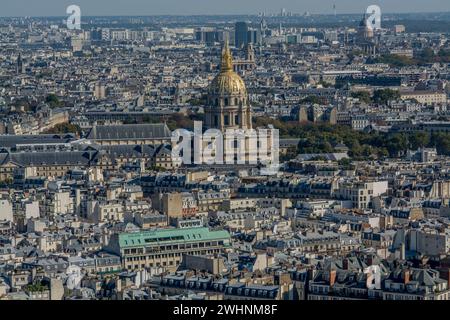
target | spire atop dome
[{"x": 227, "y": 59}]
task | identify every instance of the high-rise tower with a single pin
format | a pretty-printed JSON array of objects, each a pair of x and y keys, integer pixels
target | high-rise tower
[
  {"x": 20, "y": 67},
  {"x": 241, "y": 34}
]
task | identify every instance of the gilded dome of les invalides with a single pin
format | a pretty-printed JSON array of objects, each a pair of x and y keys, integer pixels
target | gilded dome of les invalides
[{"x": 227, "y": 82}]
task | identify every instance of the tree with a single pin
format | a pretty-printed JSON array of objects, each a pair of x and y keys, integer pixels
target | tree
[
  {"x": 419, "y": 140},
  {"x": 397, "y": 144},
  {"x": 385, "y": 96},
  {"x": 53, "y": 101},
  {"x": 313, "y": 100},
  {"x": 345, "y": 163},
  {"x": 325, "y": 84},
  {"x": 64, "y": 128},
  {"x": 396, "y": 60},
  {"x": 441, "y": 141},
  {"x": 363, "y": 96}
]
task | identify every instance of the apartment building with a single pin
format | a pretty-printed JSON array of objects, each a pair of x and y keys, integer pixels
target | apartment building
[{"x": 165, "y": 247}]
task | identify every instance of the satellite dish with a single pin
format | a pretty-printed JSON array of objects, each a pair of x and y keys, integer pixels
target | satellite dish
[{"x": 74, "y": 277}]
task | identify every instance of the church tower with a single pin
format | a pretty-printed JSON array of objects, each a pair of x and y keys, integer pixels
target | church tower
[
  {"x": 228, "y": 105},
  {"x": 250, "y": 53},
  {"x": 364, "y": 31}
]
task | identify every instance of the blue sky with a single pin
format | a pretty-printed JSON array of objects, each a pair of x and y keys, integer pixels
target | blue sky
[{"x": 177, "y": 7}]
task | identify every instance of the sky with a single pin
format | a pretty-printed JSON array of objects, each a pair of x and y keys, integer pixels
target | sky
[{"x": 192, "y": 7}]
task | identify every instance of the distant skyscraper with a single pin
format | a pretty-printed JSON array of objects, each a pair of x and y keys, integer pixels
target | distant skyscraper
[
  {"x": 20, "y": 67},
  {"x": 254, "y": 36},
  {"x": 241, "y": 34},
  {"x": 263, "y": 28}
]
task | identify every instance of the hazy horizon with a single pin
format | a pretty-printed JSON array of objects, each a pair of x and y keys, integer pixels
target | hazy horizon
[{"x": 56, "y": 8}]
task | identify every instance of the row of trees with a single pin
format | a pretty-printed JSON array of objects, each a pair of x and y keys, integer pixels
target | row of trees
[
  {"x": 64, "y": 128},
  {"x": 425, "y": 56},
  {"x": 173, "y": 121},
  {"x": 322, "y": 138},
  {"x": 382, "y": 96}
]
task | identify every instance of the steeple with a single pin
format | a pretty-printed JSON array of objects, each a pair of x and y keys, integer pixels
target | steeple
[
  {"x": 227, "y": 59},
  {"x": 363, "y": 22}
]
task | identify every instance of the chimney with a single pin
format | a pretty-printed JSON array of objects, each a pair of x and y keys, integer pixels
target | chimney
[
  {"x": 406, "y": 276},
  {"x": 447, "y": 276},
  {"x": 402, "y": 252},
  {"x": 345, "y": 264},
  {"x": 444, "y": 273},
  {"x": 310, "y": 274},
  {"x": 332, "y": 277}
]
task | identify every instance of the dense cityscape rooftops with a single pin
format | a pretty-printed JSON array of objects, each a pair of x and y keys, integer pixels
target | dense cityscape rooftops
[{"x": 96, "y": 204}]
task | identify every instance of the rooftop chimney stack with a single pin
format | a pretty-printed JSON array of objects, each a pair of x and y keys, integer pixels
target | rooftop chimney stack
[
  {"x": 332, "y": 277},
  {"x": 406, "y": 276},
  {"x": 345, "y": 264}
]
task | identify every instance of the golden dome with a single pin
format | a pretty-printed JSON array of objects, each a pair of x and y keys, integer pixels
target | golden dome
[{"x": 227, "y": 82}]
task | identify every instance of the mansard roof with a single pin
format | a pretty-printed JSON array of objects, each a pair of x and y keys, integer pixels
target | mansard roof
[{"x": 130, "y": 132}]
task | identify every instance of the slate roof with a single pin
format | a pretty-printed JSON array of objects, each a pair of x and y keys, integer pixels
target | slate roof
[
  {"x": 129, "y": 150},
  {"x": 11, "y": 141},
  {"x": 84, "y": 157},
  {"x": 47, "y": 158},
  {"x": 130, "y": 131}
]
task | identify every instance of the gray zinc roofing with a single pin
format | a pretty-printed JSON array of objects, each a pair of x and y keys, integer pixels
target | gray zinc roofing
[{"x": 130, "y": 131}]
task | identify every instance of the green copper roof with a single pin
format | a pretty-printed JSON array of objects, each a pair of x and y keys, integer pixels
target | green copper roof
[{"x": 162, "y": 236}]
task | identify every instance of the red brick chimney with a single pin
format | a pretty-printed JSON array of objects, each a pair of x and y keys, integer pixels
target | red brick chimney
[
  {"x": 406, "y": 276},
  {"x": 332, "y": 277}
]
